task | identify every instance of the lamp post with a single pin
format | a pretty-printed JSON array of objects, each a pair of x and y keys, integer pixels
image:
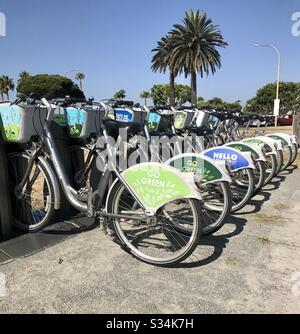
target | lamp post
[{"x": 277, "y": 101}]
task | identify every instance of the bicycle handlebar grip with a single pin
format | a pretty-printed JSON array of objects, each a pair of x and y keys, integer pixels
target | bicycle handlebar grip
[{"x": 49, "y": 108}]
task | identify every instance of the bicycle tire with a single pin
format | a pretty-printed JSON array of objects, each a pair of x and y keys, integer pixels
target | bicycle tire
[
  {"x": 272, "y": 169},
  {"x": 295, "y": 153},
  {"x": 238, "y": 203},
  {"x": 114, "y": 224},
  {"x": 209, "y": 212},
  {"x": 18, "y": 209}
]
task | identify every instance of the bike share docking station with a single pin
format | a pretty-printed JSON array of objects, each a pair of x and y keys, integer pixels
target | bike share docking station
[{"x": 66, "y": 223}]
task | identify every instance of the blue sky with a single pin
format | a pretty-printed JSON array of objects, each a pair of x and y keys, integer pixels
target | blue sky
[{"x": 111, "y": 42}]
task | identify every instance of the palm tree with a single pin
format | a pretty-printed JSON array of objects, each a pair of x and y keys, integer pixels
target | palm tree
[
  {"x": 23, "y": 75},
  {"x": 6, "y": 84},
  {"x": 2, "y": 88},
  {"x": 80, "y": 77},
  {"x": 194, "y": 46},
  {"x": 120, "y": 95},
  {"x": 163, "y": 61},
  {"x": 145, "y": 95}
]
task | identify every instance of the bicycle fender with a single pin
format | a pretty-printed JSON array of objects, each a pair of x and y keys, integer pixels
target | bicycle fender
[
  {"x": 277, "y": 143},
  {"x": 286, "y": 140},
  {"x": 256, "y": 151},
  {"x": 155, "y": 185},
  {"x": 261, "y": 142},
  {"x": 294, "y": 139},
  {"x": 209, "y": 171},
  {"x": 238, "y": 160},
  {"x": 54, "y": 182}
]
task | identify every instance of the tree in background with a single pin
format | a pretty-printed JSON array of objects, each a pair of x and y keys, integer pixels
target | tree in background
[
  {"x": 80, "y": 77},
  {"x": 263, "y": 102},
  {"x": 145, "y": 95},
  {"x": 160, "y": 94},
  {"x": 218, "y": 104},
  {"x": 194, "y": 48},
  {"x": 49, "y": 86},
  {"x": 120, "y": 95},
  {"x": 2, "y": 88},
  {"x": 23, "y": 75},
  {"x": 6, "y": 84},
  {"x": 163, "y": 60}
]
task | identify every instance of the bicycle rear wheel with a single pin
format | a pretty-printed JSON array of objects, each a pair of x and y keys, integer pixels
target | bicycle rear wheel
[
  {"x": 217, "y": 203},
  {"x": 260, "y": 175},
  {"x": 287, "y": 157},
  {"x": 242, "y": 188},
  {"x": 295, "y": 153},
  {"x": 160, "y": 242},
  {"x": 279, "y": 157},
  {"x": 270, "y": 167}
]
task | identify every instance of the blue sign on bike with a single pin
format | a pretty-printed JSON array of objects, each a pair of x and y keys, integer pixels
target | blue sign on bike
[
  {"x": 234, "y": 158},
  {"x": 123, "y": 115}
]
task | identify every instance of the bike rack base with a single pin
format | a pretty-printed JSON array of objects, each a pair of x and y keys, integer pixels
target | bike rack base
[
  {"x": 30, "y": 244},
  {"x": 5, "y": 205}
]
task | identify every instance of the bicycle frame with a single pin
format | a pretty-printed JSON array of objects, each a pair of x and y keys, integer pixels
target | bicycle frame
[{"x": 69, "y": 191}]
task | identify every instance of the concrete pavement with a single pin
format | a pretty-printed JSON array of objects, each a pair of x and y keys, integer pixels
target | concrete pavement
[{"x": 251, "y": 266}]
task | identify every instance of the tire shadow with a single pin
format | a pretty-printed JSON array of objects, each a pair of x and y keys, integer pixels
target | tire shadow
[
  {"x": 217, "y": 242},
  {"x": 275, "y": 183},
  {"x": 289, "y": 170}
]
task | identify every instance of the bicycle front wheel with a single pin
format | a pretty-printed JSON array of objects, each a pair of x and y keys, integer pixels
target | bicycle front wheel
[
  {"x": 32, "y": 207},
  {"x": 160, "y": 242}
]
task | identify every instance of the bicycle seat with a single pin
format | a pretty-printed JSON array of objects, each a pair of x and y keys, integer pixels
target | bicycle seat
[
  {"x": 162, "y": 134},
  {"x": 113, "y": 127},
  {"x": 241, "y": 119},
  {"x": 221, "y": 116},
  {"x": 201, "y": 131},
  {"x": 253, "y": 117}
]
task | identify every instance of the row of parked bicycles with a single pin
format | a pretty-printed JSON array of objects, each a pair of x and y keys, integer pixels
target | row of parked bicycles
[{"x": 156, "y": 179}]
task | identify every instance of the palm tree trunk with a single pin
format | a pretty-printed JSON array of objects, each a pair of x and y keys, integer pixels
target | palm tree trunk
[
  {"x": 7, "y": 94},
  {"x": 81, "y": 86},
  {"x": 172, "y": 89},
  {"x": 145, "y": 101},
  {"x": 194, "y": 88},
  {"x": 2, "y": 96}
]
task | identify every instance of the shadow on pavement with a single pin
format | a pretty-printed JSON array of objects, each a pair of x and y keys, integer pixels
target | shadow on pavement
[
  {"x": 217, "y": 242},
  {"x": 289, "y": 170}
]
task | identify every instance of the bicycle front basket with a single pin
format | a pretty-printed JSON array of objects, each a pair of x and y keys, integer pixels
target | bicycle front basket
[
  {"x": 19, "y": 124},
  {"x": 81, "y": 122}
]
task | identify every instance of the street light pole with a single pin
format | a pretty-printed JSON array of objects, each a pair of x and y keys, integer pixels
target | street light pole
[{"x": 277, "y": 101}]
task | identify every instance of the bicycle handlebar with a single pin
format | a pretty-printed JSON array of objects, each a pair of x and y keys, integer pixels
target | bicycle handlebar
[{"x": 49, "y": 108}]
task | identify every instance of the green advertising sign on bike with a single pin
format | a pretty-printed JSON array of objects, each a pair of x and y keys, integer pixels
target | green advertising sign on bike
[
  {"x": 156, "y": 185},
  {"x": 205, "y": 170}
]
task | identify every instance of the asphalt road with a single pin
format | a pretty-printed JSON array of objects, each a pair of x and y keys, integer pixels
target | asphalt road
[{"x": 251, "y": 266}]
